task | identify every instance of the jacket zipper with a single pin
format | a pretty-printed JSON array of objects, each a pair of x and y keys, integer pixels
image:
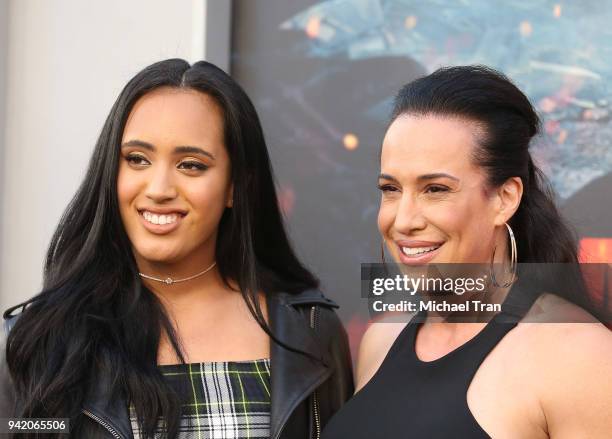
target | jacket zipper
[
  {"x": 104, "y": 424},
  {"x": 315, "y": 402}
]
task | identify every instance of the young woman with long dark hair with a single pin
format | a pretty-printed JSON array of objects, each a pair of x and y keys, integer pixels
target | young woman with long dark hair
[
  {"x": 458, "y": 185},
  {"x": 173, "y": 302}
]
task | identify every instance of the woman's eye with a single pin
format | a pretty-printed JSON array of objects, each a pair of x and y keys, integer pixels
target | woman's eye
[
  {"x": 192, "y": 166},
  {"x": 137, "y": 160},
  {"x": 386, "y": 188},
  {"x": 436, "y": 189}
]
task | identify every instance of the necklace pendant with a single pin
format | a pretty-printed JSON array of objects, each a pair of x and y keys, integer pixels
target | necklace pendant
[{"x": 170, "y": 281}]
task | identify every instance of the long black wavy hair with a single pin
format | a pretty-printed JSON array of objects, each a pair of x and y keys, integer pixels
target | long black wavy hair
[
  {"x": 94, "y": 312},
  {"x": 486, "y": 96}
]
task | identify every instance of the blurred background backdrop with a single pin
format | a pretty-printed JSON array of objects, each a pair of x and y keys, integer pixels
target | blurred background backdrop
[{"x": 322, "y": 75}]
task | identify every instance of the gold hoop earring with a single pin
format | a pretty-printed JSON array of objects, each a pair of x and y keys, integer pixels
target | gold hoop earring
[{"x": 513, "y": 262}]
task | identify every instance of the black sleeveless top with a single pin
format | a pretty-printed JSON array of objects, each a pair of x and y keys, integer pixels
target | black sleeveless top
[{"x": 410, "y": 398}]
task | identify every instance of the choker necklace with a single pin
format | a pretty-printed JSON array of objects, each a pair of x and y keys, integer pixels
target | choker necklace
[{"x": 170, "y": 281}]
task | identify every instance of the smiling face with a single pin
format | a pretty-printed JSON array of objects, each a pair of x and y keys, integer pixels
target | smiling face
[
  {"x": 435, "y": 206},
  {"x": 174, "y": 179}
]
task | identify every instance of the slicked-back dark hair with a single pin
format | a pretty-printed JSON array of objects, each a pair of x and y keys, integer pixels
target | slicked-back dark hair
[{"x": 94, "y": 312}]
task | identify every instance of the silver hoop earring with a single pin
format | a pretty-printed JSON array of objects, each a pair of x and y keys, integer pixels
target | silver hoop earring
[
  {"x": 513, "y": 262},
  {"x": 382, "y": 251}
]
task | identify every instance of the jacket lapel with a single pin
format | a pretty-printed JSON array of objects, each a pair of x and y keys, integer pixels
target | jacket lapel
[{"x": 294, "y": 375}]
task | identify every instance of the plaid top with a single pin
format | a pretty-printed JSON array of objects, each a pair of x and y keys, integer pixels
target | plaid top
[{"x": 221, "y": 400}]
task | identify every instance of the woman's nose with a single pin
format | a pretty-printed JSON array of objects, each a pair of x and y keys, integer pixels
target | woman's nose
[
  {"x": 161, "y": 187},
  {"x": 409, "y": 215}
]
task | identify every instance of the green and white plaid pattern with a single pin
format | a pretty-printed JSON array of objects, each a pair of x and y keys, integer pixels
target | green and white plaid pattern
[{"x": 221, "y": 400}]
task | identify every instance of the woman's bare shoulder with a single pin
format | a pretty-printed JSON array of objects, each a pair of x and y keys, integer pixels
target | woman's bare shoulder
[
  {"x": 570, "y": 364},
  {"x": 555, "y": 326}
]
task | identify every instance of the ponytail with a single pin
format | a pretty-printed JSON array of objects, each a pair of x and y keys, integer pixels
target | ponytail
[{"x": 542, "y": 234}]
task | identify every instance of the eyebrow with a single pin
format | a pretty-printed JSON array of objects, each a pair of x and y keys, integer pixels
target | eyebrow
[
  {"x": 177, "y": 150},
  {"x": 421, "y": 177}
]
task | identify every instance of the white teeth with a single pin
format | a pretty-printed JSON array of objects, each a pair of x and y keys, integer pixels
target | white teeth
[
  {"x": 412, "y": 251},
  {"x": 159, "y": 219}
]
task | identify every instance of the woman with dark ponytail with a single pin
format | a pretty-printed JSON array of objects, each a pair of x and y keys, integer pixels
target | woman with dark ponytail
[
  {"x": 458, "y": 185},
  {"x": 173, "y": 304}
]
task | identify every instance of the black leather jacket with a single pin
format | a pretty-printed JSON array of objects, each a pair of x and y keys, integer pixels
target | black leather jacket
[{"x": 305, "y": 392}]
